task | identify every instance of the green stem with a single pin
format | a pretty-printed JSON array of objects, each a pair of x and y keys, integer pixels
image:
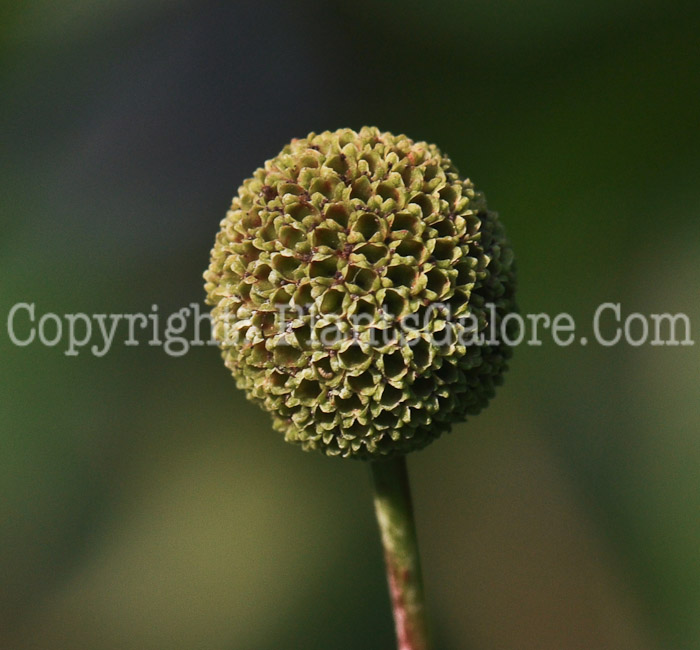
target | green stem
[{"x": 392, "y": 502}]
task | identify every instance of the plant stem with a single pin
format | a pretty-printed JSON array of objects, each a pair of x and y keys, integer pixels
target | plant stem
[{"x": 392, "y": 503}]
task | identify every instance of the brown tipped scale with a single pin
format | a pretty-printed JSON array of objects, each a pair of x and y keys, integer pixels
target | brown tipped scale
[{"x": 346, "y": 282}]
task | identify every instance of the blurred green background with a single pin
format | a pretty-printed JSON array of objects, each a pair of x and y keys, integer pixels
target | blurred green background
[{"x": 145, "y": 505}]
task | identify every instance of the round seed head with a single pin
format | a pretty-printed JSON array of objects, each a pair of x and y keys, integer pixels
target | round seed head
[{"x": 351, "y": 281}]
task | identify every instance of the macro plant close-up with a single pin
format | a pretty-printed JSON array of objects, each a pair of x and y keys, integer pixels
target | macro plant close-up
[
  {"x": 229, "y": 226},
  {"x": 355, "y": 234}
]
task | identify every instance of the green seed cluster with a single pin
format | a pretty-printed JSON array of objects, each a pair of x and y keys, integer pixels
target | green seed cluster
[{"x": 325, "y": 255}]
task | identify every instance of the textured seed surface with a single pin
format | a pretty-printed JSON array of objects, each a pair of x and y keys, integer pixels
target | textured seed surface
[{"x": 325, "y": 279}]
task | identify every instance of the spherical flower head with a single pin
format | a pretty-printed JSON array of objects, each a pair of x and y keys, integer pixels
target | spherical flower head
[{"x": 352, "y": 281}]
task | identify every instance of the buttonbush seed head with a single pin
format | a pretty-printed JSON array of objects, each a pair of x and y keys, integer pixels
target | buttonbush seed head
[{"x": 349, "y": 282}]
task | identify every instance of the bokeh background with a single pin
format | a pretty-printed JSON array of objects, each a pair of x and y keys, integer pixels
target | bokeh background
[{"x": 145, "y": 505}]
